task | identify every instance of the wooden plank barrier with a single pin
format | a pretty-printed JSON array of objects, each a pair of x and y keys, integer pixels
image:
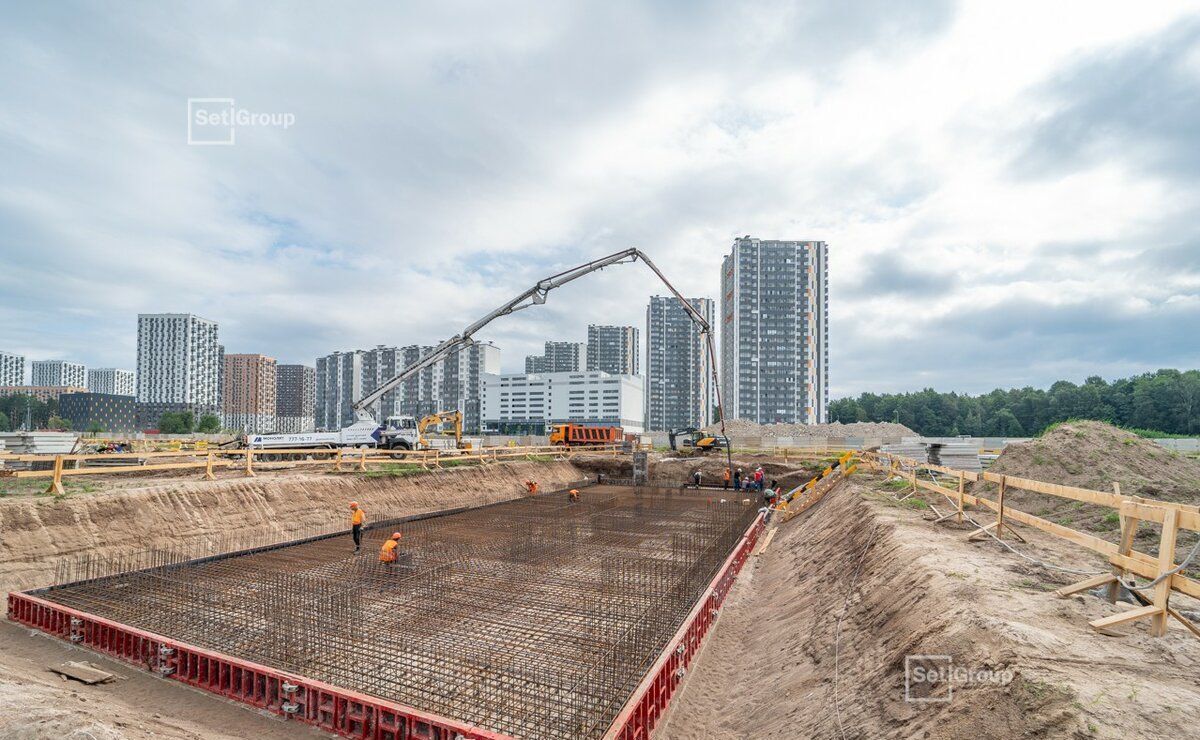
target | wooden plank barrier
[{"x": 1125, "y": 560}]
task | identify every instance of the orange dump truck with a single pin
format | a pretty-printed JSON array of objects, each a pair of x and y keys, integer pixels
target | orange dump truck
[{"x": 577, "y": 434}]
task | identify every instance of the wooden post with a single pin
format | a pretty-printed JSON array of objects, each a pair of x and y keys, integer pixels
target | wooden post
[
  {"x": 962, "y": 481},
  {"x": 1000, "y": 511},
  {"x": 208, "y": 471},
  {"x": 1129, "y": 527},
  {"x": 56, "y": 486},
  {"x": 362, "y": 460},
  {"x": 1166, "y": 561},
  {"x": 249, "y": 462},
  {"x": 337, "y": 461}
]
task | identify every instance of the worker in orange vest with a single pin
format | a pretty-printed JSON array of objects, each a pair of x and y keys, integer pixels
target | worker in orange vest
[
  {"x": 357, "y": 517},
  {"x": 532, "y": 486},
  {"x": 574, "y": 494},
  {"x": 727, "y": 476},
  {"x": 387, "y": 553}
]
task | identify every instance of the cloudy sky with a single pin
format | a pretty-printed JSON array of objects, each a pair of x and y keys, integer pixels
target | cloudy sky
[{"x": 1009, "y": 190}]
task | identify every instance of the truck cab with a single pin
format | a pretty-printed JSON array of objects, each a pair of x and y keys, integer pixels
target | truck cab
[{"x": 399, "y": 433}]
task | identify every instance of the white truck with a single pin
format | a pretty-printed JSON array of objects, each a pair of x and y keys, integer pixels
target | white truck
[{"x": 398, "y": 432}]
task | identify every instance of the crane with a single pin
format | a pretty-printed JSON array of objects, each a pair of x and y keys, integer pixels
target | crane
[{"x": 536, "y": 296}]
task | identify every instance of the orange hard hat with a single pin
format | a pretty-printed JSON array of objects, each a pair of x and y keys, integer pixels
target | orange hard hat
[
  {"x": 353, "y": 504},
  {"x": 395, "y": 535},
  {"x": 574, "y": 490}
]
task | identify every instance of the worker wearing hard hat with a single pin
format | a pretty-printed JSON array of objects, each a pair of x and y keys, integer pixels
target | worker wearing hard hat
[
  {"x": 387, "y": 553},
  {"x": 357, "y": 517},
  {"x": 532, "y": 486},
  {"x": 574, "y": 492}
]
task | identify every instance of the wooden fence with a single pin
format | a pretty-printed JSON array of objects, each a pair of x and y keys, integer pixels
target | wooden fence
[
  {"x": 249, "y": 460},
  {"x": 1125, "y": 560}
]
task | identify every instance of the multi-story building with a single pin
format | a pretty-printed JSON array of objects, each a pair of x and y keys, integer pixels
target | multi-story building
[
  {"x": 558, "y": 357},
  {"x": 99, "y": 412},
  {"x": 462, "y": 380},
  {"x": 178, "y": 366},
  {"x": 339, "y": 385},
  {"x": 58, "y": 372},
  {"x": 12, "y": 369},
  {"x": 532, "y": 403},
  {"x": 775, "y": 331},
  {"x": 295, "y": 398},
  {"x": 613, "y": 350},
  {"x": 421, "y": 394},
  {"x": 42, "y": 393},
  {"x": 111, "y": 381},
  {"x": 678, "y": 369},
  {"x": 249, "y": 393}
]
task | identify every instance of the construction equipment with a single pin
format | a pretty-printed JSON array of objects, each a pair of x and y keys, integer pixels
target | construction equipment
[
  {"x": 397, "y": 433},
  {"x": 454, "y": 418},
  {"x": 578, "y": 434},
  {"x": 697, "y": 440},
  {"x": 368, "y": 428}
]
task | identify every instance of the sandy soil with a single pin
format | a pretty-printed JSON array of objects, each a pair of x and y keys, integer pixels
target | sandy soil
[{"x": 812, "y": 642}]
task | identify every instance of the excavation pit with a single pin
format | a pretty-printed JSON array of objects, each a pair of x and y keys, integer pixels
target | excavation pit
[{"x": 534, "y": 618}]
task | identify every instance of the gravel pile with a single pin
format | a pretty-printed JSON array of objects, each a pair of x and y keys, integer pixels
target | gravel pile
[{"x": 743, "y": 427}]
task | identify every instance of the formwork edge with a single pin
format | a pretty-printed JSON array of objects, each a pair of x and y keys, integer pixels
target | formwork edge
[
  {"x": 340, "y": 711},
  {"x": 645, "y": 707}
]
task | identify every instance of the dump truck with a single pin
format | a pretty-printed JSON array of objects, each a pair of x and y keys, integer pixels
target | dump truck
[{"x": 578, "y": 434}]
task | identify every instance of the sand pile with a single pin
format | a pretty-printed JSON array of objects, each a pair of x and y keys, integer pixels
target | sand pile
[{"x": 743, "y": 427}]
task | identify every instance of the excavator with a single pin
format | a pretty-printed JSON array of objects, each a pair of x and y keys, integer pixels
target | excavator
[
  {"x": 697, "y": 440},
  {"x": 454, "y": 418}
]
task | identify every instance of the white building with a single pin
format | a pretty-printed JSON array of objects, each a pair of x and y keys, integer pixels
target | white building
[
  {"x": 12, "y": 369},
  {"x": 112, "y": 381},
  {"x": 58, "y": 372},
  {"x": 775, "y": 331},
  {"x": 178, "y": 366},
  {"x": 529, "y": 403}
]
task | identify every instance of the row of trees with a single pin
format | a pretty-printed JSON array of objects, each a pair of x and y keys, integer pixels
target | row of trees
[
  {"x": 1165, "y": 401},
  {"x": 184, "y": 422},
  {"x": 16, "y": 411}
]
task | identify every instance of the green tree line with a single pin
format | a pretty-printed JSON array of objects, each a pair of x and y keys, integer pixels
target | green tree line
[
  {"x": 12, "y": 413},
  {"x": 1165, "y": 401}
]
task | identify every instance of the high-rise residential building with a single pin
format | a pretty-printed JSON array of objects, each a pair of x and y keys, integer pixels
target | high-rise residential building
[
  {"x": 12, "y": 368},
  {"x": 249, "y": 393},
  {"x": 111, "y": 381},
  {"x": 613, "y": 350},
  {"x": 775, "y": 331},
  {"x": 455, "y": 382},
  {"x": 532, "y": 403},
  {"x": 178, "y": 366},
  {"x": 558, "y": 357},
  {"x": 295, "y": 398},
  {"x": 678, "y": 369},
  {"x": 339, "y": 386},
  {"x": 58, "y": 372}
]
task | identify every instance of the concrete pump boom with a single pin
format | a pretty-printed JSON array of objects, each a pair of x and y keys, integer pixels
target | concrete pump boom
[{"x": 534, "y": 296}]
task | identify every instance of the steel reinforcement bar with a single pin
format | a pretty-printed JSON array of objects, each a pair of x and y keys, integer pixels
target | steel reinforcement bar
[
  {"x": 329, "y": 708},
  {"x": 649, "y": 701}
]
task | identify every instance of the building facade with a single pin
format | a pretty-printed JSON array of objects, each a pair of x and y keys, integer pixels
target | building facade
[
  {"x": 178, "y": 366},
  {"x": 339, "y": 385},
  {"x": 679, "y": 389},
  {"x": 532, "y": 403},
  {"x": 249, "y": 393},
  {"x": 12, "y": 369},
  {"x": 775, "y": 331},
  {"x": 58, "y": 373},
  {"x": 99, "y": 412},
  {"x": 613, "y": 350},
  {"x": 111, "y": 381},
  {"x": 42, "y": 393},
  {"x": 558, "y": 357},
  {"x": 295, "y": 398},
  {"x": 462, "y": 380}
]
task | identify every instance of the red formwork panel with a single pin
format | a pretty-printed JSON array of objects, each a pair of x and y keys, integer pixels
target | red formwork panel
[
  {"x": 641, "y": 713},
  {"x": 335, "y": 710}
]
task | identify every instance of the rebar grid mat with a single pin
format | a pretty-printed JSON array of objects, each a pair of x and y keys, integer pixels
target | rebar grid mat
[{"x": 536, "y": 617}]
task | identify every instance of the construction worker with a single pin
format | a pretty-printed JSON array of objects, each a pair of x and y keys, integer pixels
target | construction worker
[
  {"x": 532, "y": 486},
  {"x": 357, "y": 517},
  {"x": 726, "y": 477},
  {"x": 387, "y": 553},
  {"x": 696, "y": 478},
  {"x": 758, "y": 479},
  {"x": 574, "y": 492},
  {"x": 737, "y": 479}
]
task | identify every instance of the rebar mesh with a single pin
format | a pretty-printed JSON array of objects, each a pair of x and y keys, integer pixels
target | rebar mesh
[{"x": 537, "y": 617}]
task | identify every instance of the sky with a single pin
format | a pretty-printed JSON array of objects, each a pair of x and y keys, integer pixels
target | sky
[{"x": 1009, "y": 190}]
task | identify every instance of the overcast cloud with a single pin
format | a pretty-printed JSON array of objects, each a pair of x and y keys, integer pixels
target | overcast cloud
[{"x": 1009, "y": 190}]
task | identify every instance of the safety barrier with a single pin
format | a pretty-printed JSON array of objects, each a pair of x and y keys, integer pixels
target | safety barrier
[
  {"x": 645, "y": 708},
  {"x": 329, "y": 708},
  {"x": 340, "y": 459},
  {"x": 1125, "y": 561}
]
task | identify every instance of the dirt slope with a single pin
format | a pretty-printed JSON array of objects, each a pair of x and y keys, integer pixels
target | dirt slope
[
  {"x": 779, "y": 666},
  {"x": 38, "y": 531}
]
